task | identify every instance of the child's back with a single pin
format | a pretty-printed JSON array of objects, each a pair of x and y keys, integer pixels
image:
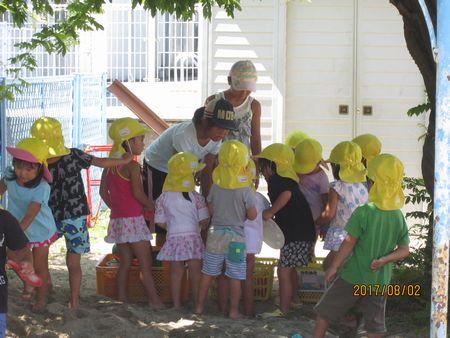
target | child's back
[
  {"x": 314, "y": 186},
  {"x": 378, "y": 232}
]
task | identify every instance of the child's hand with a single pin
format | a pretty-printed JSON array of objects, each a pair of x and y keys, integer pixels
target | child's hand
[
  {"x": 330, "y": 274},
  {"x": 127, "y": 158},
  {"x": 267, "y": 214},
  {"x": 377, "y": 263},
  {"x": 149, "y": 207}
]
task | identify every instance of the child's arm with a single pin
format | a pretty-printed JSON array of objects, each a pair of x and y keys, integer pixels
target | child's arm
[
  {"x": 3, "y": 187},
  {"x": 104, "y": 193},
  {"x": 206, "y": 174},
  {"x": 210, "y": 209},
  {"x": 107, "y": 162},
  {"x": 330, "y": 209},
  {"x": 344, "y": 251},
  {"x": 32, "y": 211},
  {"x": 279, "y": 203},
  {"x": 255, "y": 138},
  {"x": 136, "y": 186},
  {"x": 401, "y": 252}
]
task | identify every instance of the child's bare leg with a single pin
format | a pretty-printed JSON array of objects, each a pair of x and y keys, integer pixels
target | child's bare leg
[
  {"x": 329, "y": 259},
  {"x": 248, "y": 286},
  {"x": 285, "y": 280},
  {"x": 75, "y": 274},
  {"x": 126, "y": 256},
  {"x": 294, "y": 275},
  {"x": 195, "y": 268},
  {"x": 176, "y": 275},
  {"x": 235, "y": 295},
  {"x": 205, "y": 282},
  {"x": 142, "y": 250},
  {"x": 223, "y": 290},
  {"x": 320, "y": 328},
  {"x": 40, "y": 263}
]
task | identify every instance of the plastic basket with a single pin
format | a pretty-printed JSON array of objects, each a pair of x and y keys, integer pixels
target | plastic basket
[
  {"x": 106, "y": 272},
  {"x": 311, "y": 281},
  {"x": 262, "y": 279}
]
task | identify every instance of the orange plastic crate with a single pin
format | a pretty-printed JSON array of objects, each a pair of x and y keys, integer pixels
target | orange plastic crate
[{"x": 106, "y": 272}]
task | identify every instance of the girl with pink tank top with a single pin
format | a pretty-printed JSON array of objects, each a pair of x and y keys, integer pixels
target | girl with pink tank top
[{"x": 121, "y": 189}]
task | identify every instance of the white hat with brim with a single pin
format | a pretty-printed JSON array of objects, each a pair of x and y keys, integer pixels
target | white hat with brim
[{"x": 272, "y": 234}]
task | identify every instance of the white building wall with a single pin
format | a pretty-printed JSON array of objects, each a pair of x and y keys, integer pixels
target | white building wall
[{"x": 256, "y": 33}]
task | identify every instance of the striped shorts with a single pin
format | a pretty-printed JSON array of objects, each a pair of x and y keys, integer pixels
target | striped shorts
[{"x": 213, "y": 266}]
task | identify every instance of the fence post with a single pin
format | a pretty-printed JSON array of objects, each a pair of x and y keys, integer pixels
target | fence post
[
  {"x": 76, "y": 111},
  {"x": 3, "y": 155}
]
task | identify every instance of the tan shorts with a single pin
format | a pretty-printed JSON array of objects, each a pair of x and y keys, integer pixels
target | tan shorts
[{"x": 339, "y": 298}]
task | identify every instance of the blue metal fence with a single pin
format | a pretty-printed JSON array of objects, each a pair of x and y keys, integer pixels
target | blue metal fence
[{"x": 77, "y": 101}]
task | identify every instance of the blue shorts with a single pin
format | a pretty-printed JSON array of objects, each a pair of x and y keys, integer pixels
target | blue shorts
[
  {"x": 2, "y": 325},
  {"x": 76, "y": 234},
  {"x": 213, "y": 265}
]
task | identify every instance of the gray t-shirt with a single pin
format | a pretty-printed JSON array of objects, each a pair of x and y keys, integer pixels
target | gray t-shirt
[{"x": 230, "y": 207}]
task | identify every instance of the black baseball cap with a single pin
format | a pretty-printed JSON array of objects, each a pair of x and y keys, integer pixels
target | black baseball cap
[{"x": 221, "y": 113}]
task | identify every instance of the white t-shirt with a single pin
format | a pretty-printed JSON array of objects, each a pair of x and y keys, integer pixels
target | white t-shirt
[
  {"x": 179, "y": 137},
  {"x": 254, "y": 229},
  {"x": 180, "y": 215}
]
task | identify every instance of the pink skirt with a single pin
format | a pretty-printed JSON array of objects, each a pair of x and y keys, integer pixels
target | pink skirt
[
  {"x": 45, "y": 243},
  {"x": 182, "y": 248},
  {"x": 128, "y": 230}
]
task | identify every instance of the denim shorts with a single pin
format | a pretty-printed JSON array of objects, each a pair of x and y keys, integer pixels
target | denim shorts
[{"x": 2, "y": 325}]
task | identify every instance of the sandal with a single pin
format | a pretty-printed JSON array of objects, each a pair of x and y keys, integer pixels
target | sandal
[
  {"x": 275, "y": 314},
  {"x": 28, "y": 278}
]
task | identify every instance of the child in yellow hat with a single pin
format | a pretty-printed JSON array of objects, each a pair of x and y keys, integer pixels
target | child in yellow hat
[
  {"x": 294, "y": 138},
  {"x": 68, "y": 200},
  {"x": 292, "y": 213},
  {"x": 377, "y": 236},
  {"x": 180, "y": 210},
  {"x": 346, "y": 193},
  {"x": 313, "y": 179},
  {"x": 370, "y": 146},
  {"x": 231, "y": 201},
  {"x": 27, "y": 183},
  {"x": 122, "y": 190}
]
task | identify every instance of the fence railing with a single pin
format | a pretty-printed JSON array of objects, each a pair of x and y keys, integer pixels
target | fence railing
[{"x": 77, "y": 101}]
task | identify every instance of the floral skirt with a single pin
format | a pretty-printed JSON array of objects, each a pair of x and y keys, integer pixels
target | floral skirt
[
  {"x": 296, "y": 254},
  {"x": 182, "y": 248},
  {"x": 334, "y": 238},
  {"x": 128, "y": 230}
]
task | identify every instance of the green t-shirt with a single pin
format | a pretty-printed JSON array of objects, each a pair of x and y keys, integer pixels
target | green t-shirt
[{"x": 379, "y": 232}]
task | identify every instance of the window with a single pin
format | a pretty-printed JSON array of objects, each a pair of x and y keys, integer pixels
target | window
[{"x": 177, "y": 48}]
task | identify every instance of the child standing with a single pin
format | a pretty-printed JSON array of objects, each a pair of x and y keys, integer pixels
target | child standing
[
  {"x": 346, "y": 194},
  {"x": 28, "y": 194},
  {"x": 253, "y": 242},
  {"x": 122, "y": 190},
  {"x": 180, "y": 209},
  {"x": 370, "y": 146},
  {"x": 292, "y": 214},
  {"x": 242, "y": 80},
  {"x": 231, "y": 201},
  {"x": 13, "y": 238},
  {"x": 68, "y": 200},
  {"x": 313, "y": 180},
  {"x": 377, "y": 236}
]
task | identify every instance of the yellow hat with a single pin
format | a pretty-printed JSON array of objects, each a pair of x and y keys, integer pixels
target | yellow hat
[
  {"x": 387, "y": 173},
  {"x": 124, "y": 129},
  {"x": 294, "y": 138},
  {"x": 308, "y": 154},
  {"x": 370, "y": 145},
  {"x": 32, "y": 150},
  {"x": 348, "y": 155},
  {"x": 251, "y": 169},
  {"x": 231, "y": 171},
  {"x": 182, "y": 167},
  {"x": 283, "y": 156},
  {"x": 48, "y": 130}
]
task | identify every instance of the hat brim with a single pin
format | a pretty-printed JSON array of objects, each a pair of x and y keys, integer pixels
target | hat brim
[
  {"x": 58, "y": 151},
  {"x": 25, "y": 155},
  {"x": 244, "y": 85},
  {"x": 304, "y": 168},
  {"x": 200, "y": 167},
  {"x": 272, "y": 234},
  {"x": 229, "y": 125}
]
